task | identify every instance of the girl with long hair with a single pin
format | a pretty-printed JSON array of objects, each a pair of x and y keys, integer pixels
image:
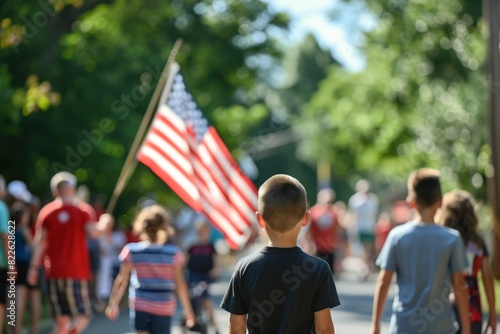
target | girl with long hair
[{"x": 458, "y": 212}]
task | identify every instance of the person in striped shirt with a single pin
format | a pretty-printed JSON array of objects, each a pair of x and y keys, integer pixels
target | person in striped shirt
[{"x": 155, "y": 269}]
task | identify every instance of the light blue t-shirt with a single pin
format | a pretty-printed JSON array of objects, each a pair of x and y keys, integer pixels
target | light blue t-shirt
[
  {"x": 4, "y": 221},
  {"x": 424, "y": 257}
]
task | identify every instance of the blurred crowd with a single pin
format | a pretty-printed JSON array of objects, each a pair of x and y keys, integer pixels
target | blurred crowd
[
  {"x": 20, "y": 209},
  {"x": 350, "y": 236},
  {"x": 73, "y": 257}
]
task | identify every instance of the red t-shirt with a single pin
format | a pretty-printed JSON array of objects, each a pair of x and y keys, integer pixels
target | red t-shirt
[
  {"x": 382, "y": 230},
  {"x": 324, "y": 227},
  {"x": 66, "y": 251},
  {"x": 90, "y": 210}
]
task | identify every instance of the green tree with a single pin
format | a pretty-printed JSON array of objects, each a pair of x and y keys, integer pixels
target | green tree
[
  {"x": 274, "y": 145},
  {"x": 419, "y": 101},
  {"x": 97, "y": 63}
]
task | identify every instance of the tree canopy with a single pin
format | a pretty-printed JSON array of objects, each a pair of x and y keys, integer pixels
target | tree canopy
[
  {"x": 76, "y": 77},
  {"x": 419, "y": 101}
]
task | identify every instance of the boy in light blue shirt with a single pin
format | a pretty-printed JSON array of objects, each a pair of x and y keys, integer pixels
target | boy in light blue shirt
[{"x": 429, "y": 262}]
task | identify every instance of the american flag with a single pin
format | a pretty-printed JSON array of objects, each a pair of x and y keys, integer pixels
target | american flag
[{"x": 186, "y": 152}]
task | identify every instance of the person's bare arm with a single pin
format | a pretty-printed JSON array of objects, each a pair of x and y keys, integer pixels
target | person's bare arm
[
  {"x": 182, "y": 293},
  {"x": 323, "y": 322},
  {"x": 39, "y": 245},
  {"x": 489, "y": 288},
  {"x": 237, "y": 324},
  {"x": 95, "y": 230},
  {"x": 119, "y": 286},
  {"x": 381, "y": 291},
  {"x": 462, "y": 300}
]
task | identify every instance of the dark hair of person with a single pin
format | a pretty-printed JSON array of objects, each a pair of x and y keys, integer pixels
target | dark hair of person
[
  {"x": 17, "y": 211},
  {"x": 424, "y": 187}
]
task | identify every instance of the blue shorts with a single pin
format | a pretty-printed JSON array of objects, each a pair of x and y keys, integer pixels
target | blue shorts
[{"x": 151, "y": 323}]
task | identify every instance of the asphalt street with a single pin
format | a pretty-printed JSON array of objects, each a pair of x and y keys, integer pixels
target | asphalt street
[{"x": 353, "y": 316}]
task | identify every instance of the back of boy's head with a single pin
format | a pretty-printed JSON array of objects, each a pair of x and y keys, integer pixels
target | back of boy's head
[
  {"x": 282, "y": 202},
  {"x": 424, "y": 187}
]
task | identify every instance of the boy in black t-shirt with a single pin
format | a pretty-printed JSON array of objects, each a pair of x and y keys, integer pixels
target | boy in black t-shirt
[{"x": 281, "y": 289}]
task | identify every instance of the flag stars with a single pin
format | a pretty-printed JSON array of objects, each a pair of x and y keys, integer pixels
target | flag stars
[
  {"x": 227, "y": 198},
  {"x": 183, "y": 104}
]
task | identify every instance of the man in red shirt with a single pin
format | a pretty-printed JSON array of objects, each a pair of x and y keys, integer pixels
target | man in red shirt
[
  {"x": 324, "y": 227},
  {"x": 62, "y": 228}
]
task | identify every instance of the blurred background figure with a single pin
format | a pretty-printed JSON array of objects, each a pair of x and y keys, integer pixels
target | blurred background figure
[
  {"x": 382, "y": 229},
  {"x": 400, "y": 212},
  {"x": 344, "y": 249},
  {"x": 363, "y": 208},
  {"x": 22, "y": 206},
  {"x": 98, "y": 202},
  {"x": 18, "y": 192},
  {"x": 185, "y": 227},
  {"x": 110, "y": 245},
  {"x": 83, "y": 196},
  {"x": 20, "y": 214},
  {"x": 458, "y": 212},
  {"x": 324, "y": 229},
  {"x": 203, "y": 267}
]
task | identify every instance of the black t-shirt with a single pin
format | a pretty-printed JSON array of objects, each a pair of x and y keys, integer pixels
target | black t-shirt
[
  {"x": 201, "y": 258},
  {"x": 280, "y": 289}
]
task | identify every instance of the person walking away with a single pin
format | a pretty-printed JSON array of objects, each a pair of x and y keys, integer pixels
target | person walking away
[
  {"x": 61, "y": 232},
  {"x": 324, "y": 228},
  {"x": 20, "y": 197},
  {"x": 35, "y": 291},
  {"x": 95, "y": 212},
  {"x": 19, "y": 213},
  {"x": 155, "y": 269},
  {"x": 110, "y": 245},
  {"x": 281, "y": 289},
  {"x": 203, "y": 266},
  {"x": 363, "y": 209},
  {"x": 458, "y": 213},
  {"x": 429, "y": 262},
  {"x": 382, "y": 229}
]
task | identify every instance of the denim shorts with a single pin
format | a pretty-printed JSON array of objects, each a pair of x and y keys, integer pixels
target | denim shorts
[{"x": 153, "y": 324}]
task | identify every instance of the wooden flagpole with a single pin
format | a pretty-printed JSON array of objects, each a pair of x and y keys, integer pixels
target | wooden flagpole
[{"x": 164, "y": 84}]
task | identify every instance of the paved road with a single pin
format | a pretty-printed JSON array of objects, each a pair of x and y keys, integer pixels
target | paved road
[{"x": 353, "y": 316}]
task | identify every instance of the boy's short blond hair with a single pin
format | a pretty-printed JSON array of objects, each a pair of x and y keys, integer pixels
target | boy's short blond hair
[
  {"x": 282, "y": 202},
  {"x": 424, "y": 187}
]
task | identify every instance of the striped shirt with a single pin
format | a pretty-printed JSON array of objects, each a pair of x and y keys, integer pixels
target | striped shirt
[{"x": 152, "y": 281}]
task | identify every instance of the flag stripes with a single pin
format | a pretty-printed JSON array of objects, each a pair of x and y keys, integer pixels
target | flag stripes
[{"x": 190, "y": 157}]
